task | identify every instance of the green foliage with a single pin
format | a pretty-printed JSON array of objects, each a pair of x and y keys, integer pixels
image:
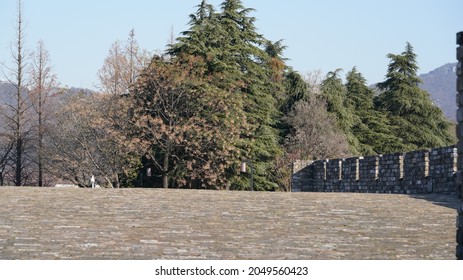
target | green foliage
[
  {"x": 371, "y": 127},
  {"x": 416, "y": 120},
  {"x": 233, "y": 58},
  {"x": 358, "y": 93},
  {"x": 295, "y": 89},
  {"x": 402, "y": 118},
  {"x": 335, "y": 94}
]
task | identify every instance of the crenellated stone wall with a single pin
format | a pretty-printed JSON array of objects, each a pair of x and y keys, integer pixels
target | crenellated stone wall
[{"x": 416, "y": 172}]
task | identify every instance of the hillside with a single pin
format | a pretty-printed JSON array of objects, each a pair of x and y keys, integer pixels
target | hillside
[
  {"x": 7, "y": 91},
  {"x": 440, "y": 83}
]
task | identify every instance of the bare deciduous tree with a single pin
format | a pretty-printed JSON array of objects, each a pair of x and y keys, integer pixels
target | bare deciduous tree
[
  {"x": 43, "y": 85},
  {"x": 121, "y": 67},
  {"x": 6, "y": 147},
  {"x": 314, "y": 80},
  {"x": 314, "y": 132},
  {"x": 16, "y": 114}
]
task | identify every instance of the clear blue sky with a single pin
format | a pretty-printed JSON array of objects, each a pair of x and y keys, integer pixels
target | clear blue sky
[{"x": 320, "y": 34}]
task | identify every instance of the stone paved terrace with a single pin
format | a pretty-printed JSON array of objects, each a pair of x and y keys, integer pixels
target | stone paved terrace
[{"x": 51, "y": 223}]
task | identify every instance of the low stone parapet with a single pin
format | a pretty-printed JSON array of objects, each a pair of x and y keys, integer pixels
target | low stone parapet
[{"x": 418, "y": 172}]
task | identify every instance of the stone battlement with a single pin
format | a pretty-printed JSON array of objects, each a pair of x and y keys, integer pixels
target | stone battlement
[{"x": 419, "y": 172}]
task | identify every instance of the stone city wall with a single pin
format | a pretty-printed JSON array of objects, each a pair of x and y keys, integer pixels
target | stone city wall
[{"x": 416, "y": 172}]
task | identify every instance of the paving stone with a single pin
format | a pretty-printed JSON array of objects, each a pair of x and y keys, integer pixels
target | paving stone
[{"x": 47, "y": 223}]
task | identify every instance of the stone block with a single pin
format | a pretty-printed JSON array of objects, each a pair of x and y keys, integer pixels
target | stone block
[
  {"x": 460, "y": 38},
  {"x": 459, "y": 254},
  {"x": 333, "y": 169},
  {"x": 460, "y": 221},
  {"x": 429, "y": 187},
  {"x": 460, "y": 99},
  {"x": 350, "y": 169},
  {"x": 460, "y": 115},
  {"x": 460, "y": 53},
  {"x": 391, "y": 166},
  {"x": 460, "y": 235},
  {"x": 368, "y": 168},
  {"x": 459, "y": 131}
]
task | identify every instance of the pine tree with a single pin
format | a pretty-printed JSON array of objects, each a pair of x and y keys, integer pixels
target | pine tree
[
  {"x": 370, "y": 127},
  {"x": 234, "y": 60},
  {"x": 258, "y": 90},
  {"x": 417, "y": 121},
  {"x": 296, "y": 89},
  {"x": 204, "y": 39},
  {"x": 358, "y": 93},
  {"x": 335, "y": 94},
  {"x": 276, "y": 62}
]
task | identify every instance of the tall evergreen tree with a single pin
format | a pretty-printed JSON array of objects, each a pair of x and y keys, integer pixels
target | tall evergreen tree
[
  {"x": 257, "y": 88},
  {"x": 276, "y": 62},
  {"x": 235, "y": 60},
  {"x": 334, "y": 92},
  {"x": 418, "y": 122},
  {"x": 296, "y": 89},
  {"x": 359, "y": 95},
  {"x": 370, "y": 127},
  {"x": 204, "y": 39},
  {"x": 277, "y": 67}
]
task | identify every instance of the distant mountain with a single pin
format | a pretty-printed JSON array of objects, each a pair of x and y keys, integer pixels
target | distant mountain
[
  {"x": 7, "y": 91},
  {"x": 441, "y": 85}
]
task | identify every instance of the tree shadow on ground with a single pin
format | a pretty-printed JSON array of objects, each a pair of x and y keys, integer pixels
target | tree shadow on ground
[{"x": 445, "y": 200}]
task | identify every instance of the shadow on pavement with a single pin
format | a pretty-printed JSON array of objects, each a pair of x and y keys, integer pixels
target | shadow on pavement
[{"x": 449, "y": 201}]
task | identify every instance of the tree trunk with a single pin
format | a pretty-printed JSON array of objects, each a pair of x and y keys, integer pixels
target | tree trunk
[
  {"x": 19, "y": 150},
  {"x": 40, "y": 111},
  {"x": 117, "y": 184},
  {"x": 165, "y": 168},
  {"x": 40, "y": 160}
]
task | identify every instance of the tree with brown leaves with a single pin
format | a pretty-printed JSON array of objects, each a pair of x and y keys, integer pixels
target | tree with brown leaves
[
  {"x": 189, "y": 127},
  {"x": 121, "y": 67},
  {"x": 91, "y": 138}
]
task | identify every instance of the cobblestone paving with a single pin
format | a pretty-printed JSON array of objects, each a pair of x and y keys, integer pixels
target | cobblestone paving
[{"x": 52, "y": 223}]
